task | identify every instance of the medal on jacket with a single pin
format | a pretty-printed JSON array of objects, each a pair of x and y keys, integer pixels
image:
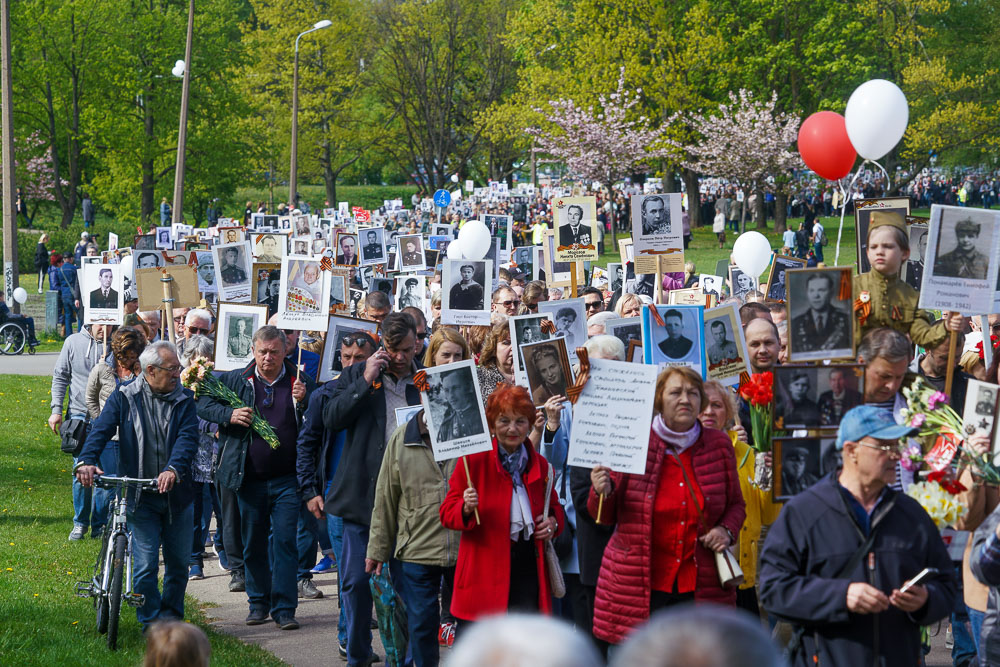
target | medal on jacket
[{"x": 863, "y": 307}]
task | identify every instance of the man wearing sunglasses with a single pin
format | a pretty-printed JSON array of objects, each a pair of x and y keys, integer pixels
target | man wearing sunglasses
[
  {"x": 838, "y": 557},
  {"x": 505, "y": 301},
  {"x": 157, "y": 428},
  {"x": 263, "y": 477},
  {"x": 196, "y": 321}
]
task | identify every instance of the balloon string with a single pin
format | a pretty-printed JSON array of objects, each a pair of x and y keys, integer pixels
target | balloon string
[{"x": 844, "y": 197}]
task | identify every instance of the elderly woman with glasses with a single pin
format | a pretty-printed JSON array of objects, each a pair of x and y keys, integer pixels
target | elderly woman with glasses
[{"x": 501, "y": 563}]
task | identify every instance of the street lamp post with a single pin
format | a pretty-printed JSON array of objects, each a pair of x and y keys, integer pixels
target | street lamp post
[
  {"x": 293, "y": 195},
  {"x": 177, "y": 213}
]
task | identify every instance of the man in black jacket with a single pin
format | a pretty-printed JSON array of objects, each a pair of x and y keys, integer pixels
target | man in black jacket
[
  {"x": 263, "y": 476},
  {"x": 835, "y": 562},
  {"x": 364, "y": 404}
]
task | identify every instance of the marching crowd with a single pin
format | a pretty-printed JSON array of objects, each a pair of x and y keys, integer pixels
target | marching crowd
[{"x": 349, "y": 488}]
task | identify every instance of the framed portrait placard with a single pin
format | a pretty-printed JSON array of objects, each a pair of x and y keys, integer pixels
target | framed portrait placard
[
  {"x": 657, "y": 232},
  {"x": 546, "y": 366},
  {"x": 304, "y": 297},
  {"x": 337, "y": 329},
  {"x": 411, "y": 292},
  {"x": 102, "y": 294},
  {"x": 801, "y": 462},
  {"x": 570, "y": 318},
  {"x": 556, "y": 272},
  {"x": 234, "y": 329},
  {"x": 411, "y": 253},
  {"x": 711, "y": 284},
  {"x": 267, "y": 285},
  {"x": 233, "y": 262},
  {"x": 346, "y": 249},
  {"x": 612, "y": 417},
  {"x": 690, "y": 297},
  {"x": 500, "y": 227},
  {"x": 525, "y": 329},
  {"x": 913, "y": 268},
  {"x": 815, "y": 397},
  {"x": 963, "y": 255},
  {"x": 679, "y": 342},
  {"x": 456, "y": 420},
  {"x": 338, "y": 293},
  {"x": 625, "y": 329},
  {"x": 526, "y": 258},
  {"x": 467, "y": 286},
  {"x": 980, "y": 410},
  {"x": 183, "y": 286},
  {"x": 725, "y": 345},
  {"x": 741, "y": 285},
  {"x": 776, "y": 290},
  {"x": 575, "y": 221},
  {"x": 633, "y": 354},
  {"x": 372, "y": 245},
  {"x": 820, "y": 314},
  {"x": 862, "y": 214}
]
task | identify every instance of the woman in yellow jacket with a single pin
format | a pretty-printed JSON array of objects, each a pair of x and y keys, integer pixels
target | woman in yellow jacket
[{"x": 761, "y": 511}]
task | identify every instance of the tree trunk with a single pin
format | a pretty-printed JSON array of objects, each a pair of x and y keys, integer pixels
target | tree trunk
[
  {"x": 780, "y": 211},
  {"x": 694, "y": 197},
  {"x": 329, "y": 178},
  {"x": 148, "y": 204}
]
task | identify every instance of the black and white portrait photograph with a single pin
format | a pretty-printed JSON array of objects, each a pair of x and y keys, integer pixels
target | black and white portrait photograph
[
  {"x": 303, "y": 302},
  {"x": 163, "y": 238},
  {"x": 467, "y": 286},
  {"x": 625, "y": 329},
  {"x": 678, "y": 342},
  {"x": 206, "y": 272},
  {"x": 456, "y": 420},
  {"x": 913, "y": 268},
  {"x": 411, "y": 253},
  {"x": 357, "y": 296},
  {"x": 546, "y": 365},
  {"x": 711, "y": 284},
  {"x": 381, "y": 284},
  {"x": 833, "y": 389},
  {"x": 144, "y": 242},
  {"x": 372, "y": 245},
  {"x": 526, "y": 258},
  {"x": 776, "y": 290},
  {"x": 500, "y": 227},
  {"x": 268, "y": 285},
  {"x": 862, "y": 217},
  {"x": 300, "y": 225},
  {"x": 232, "y": 271},
  {"x": 103, "y": 295},
  {"x": 525, "y": 329},
  {"x": 269, "y": 248},
  {"x": 443, "y": 230},
  {"x": 740, "y": 284},
  {"x": 285, "y": 223},
  {"x": 234, "y": 330},
  {"x": 820, "y": 322},
  {"x": 339, "y": 329},
  {"x": 797, "y": 465},
  {"x": 570, "y": 318},
  {"x": 616, "y": 276},
  {"x": 643, "y": 285},
  {"x": 301, "y": 245},
  {"x": 230, "y": 234},
  {"x": 656, "y": 224},
  {"x": 410, "y": 292},
  {"x": 338, "y": 293},
  {"x": 725, "y": 346},
  {"x": 963, "y": 253},
  {"x": 347, "y": 249},
  {"x": 979, "y": 413},
  {"x": 575, "y": 220}
]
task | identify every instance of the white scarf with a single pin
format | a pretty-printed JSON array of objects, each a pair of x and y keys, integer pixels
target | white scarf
[{"x": 680, "y": 441}]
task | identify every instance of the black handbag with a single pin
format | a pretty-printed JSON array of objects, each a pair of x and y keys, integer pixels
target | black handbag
[{"x": 73, "y": 433}]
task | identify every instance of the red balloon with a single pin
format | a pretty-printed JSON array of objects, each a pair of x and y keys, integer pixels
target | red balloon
[{"x": 825, "y": 146}]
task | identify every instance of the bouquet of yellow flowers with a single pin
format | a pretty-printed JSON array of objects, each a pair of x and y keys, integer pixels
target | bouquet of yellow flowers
[
  {"x": 198, "y": 378},
  {"x": 937, "y": 496}
]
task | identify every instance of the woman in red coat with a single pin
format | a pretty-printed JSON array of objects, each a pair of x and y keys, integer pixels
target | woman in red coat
[
  {"x": 669, "y": 520},
  {"x": 501, "y": 566}
]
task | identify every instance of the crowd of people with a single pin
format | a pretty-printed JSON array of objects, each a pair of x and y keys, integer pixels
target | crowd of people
[{"x": 351, "y": 489}]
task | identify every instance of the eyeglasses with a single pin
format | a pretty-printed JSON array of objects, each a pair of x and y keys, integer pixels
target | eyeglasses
[
  {"x": 509, "y": 302},
  {"x": 169, "y": 369},
  {"x": 359, "y": 339},
  {"x": 422, "y": 336},
  {"x": 198, "y": 330},
  {"x": 894, "y": 449},
  {"x": 531, "y": 306},
  {"x": 268, "y": 396},
  {"x": 591, "y": 305}
]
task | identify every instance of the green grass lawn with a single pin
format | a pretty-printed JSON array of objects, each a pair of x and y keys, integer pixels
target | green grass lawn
[{"x": 43, "y": 623}]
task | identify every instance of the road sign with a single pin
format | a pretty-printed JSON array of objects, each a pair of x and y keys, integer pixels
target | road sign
[{"x": 442, "y": 198}]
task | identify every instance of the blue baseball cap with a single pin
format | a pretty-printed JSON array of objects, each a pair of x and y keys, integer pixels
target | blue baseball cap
[{"x": 866, "y": 421}]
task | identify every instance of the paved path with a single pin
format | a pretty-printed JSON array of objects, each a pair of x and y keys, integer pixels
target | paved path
[{"x": 40, "y": 363}]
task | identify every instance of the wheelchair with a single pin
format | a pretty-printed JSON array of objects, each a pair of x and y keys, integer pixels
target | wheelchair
[{"x": 14, "y": 337}]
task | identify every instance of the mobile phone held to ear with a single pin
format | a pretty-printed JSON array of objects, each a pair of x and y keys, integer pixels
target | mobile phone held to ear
[{"x": 924, "y": 575}]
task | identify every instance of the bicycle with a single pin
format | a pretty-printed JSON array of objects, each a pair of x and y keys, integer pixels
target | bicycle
[{"x": 113, "y": 569}]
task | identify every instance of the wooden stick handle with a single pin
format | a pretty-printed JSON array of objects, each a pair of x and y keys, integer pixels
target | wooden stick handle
[
  {"x": 600, "y": 506},
  {"x": 572, "y": 279},
  {"x": 298, "y": 364},
  {"x": 468, "y": 478},
  {"x": 950, "y": 373}
]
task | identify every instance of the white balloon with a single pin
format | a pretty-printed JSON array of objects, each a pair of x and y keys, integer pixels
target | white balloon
[
  {"x": 475, "y": 239},
  {"x": 20, "y": 295},
  {"x": 455, "y": 250},
  {"x": 752, "y": 253},
  {"x": 876, "y": 117}
]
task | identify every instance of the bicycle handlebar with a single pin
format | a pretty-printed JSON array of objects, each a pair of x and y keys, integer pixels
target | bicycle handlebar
[{"x": 112, "y": 481}]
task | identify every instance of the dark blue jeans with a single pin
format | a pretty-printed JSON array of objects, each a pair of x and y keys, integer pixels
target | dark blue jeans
[
  {"x": 355, "y": 593},
  {"x": 153, "y": 524},
  {"x": 309, "y": 535},
  {"x": 423, "y": 613},
  {"x": 335, "y": 529},
  {"x": 270, "y": 507}
]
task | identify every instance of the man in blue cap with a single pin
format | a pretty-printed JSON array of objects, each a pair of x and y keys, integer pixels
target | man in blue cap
[{"x": 836, "y": 560}]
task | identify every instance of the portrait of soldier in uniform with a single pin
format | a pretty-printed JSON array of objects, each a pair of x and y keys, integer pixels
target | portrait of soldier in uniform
[{"x": 966, "y": 260}]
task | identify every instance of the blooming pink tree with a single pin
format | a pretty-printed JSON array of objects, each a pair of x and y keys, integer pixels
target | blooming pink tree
[
  {"x": 600, "y": 143},
  {"x": 745, "y": 142},
  {"x": 34, "y": 173}
]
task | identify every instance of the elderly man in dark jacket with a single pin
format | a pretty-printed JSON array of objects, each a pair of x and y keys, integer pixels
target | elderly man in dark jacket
[
  {"x": 364, "y": 405},
  {"x": 157, "y": 438},
  {"x": 264, "y": 477},
  {"x": 835, "y": 562}
]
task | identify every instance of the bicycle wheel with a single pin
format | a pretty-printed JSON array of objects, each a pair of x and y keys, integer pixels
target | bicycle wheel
[
  {"x": 101, "y": 601},
  {"x": 115, "y": 594}
]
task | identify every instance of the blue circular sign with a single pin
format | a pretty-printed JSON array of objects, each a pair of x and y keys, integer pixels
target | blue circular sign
[{"x": 442, "y": 198}]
